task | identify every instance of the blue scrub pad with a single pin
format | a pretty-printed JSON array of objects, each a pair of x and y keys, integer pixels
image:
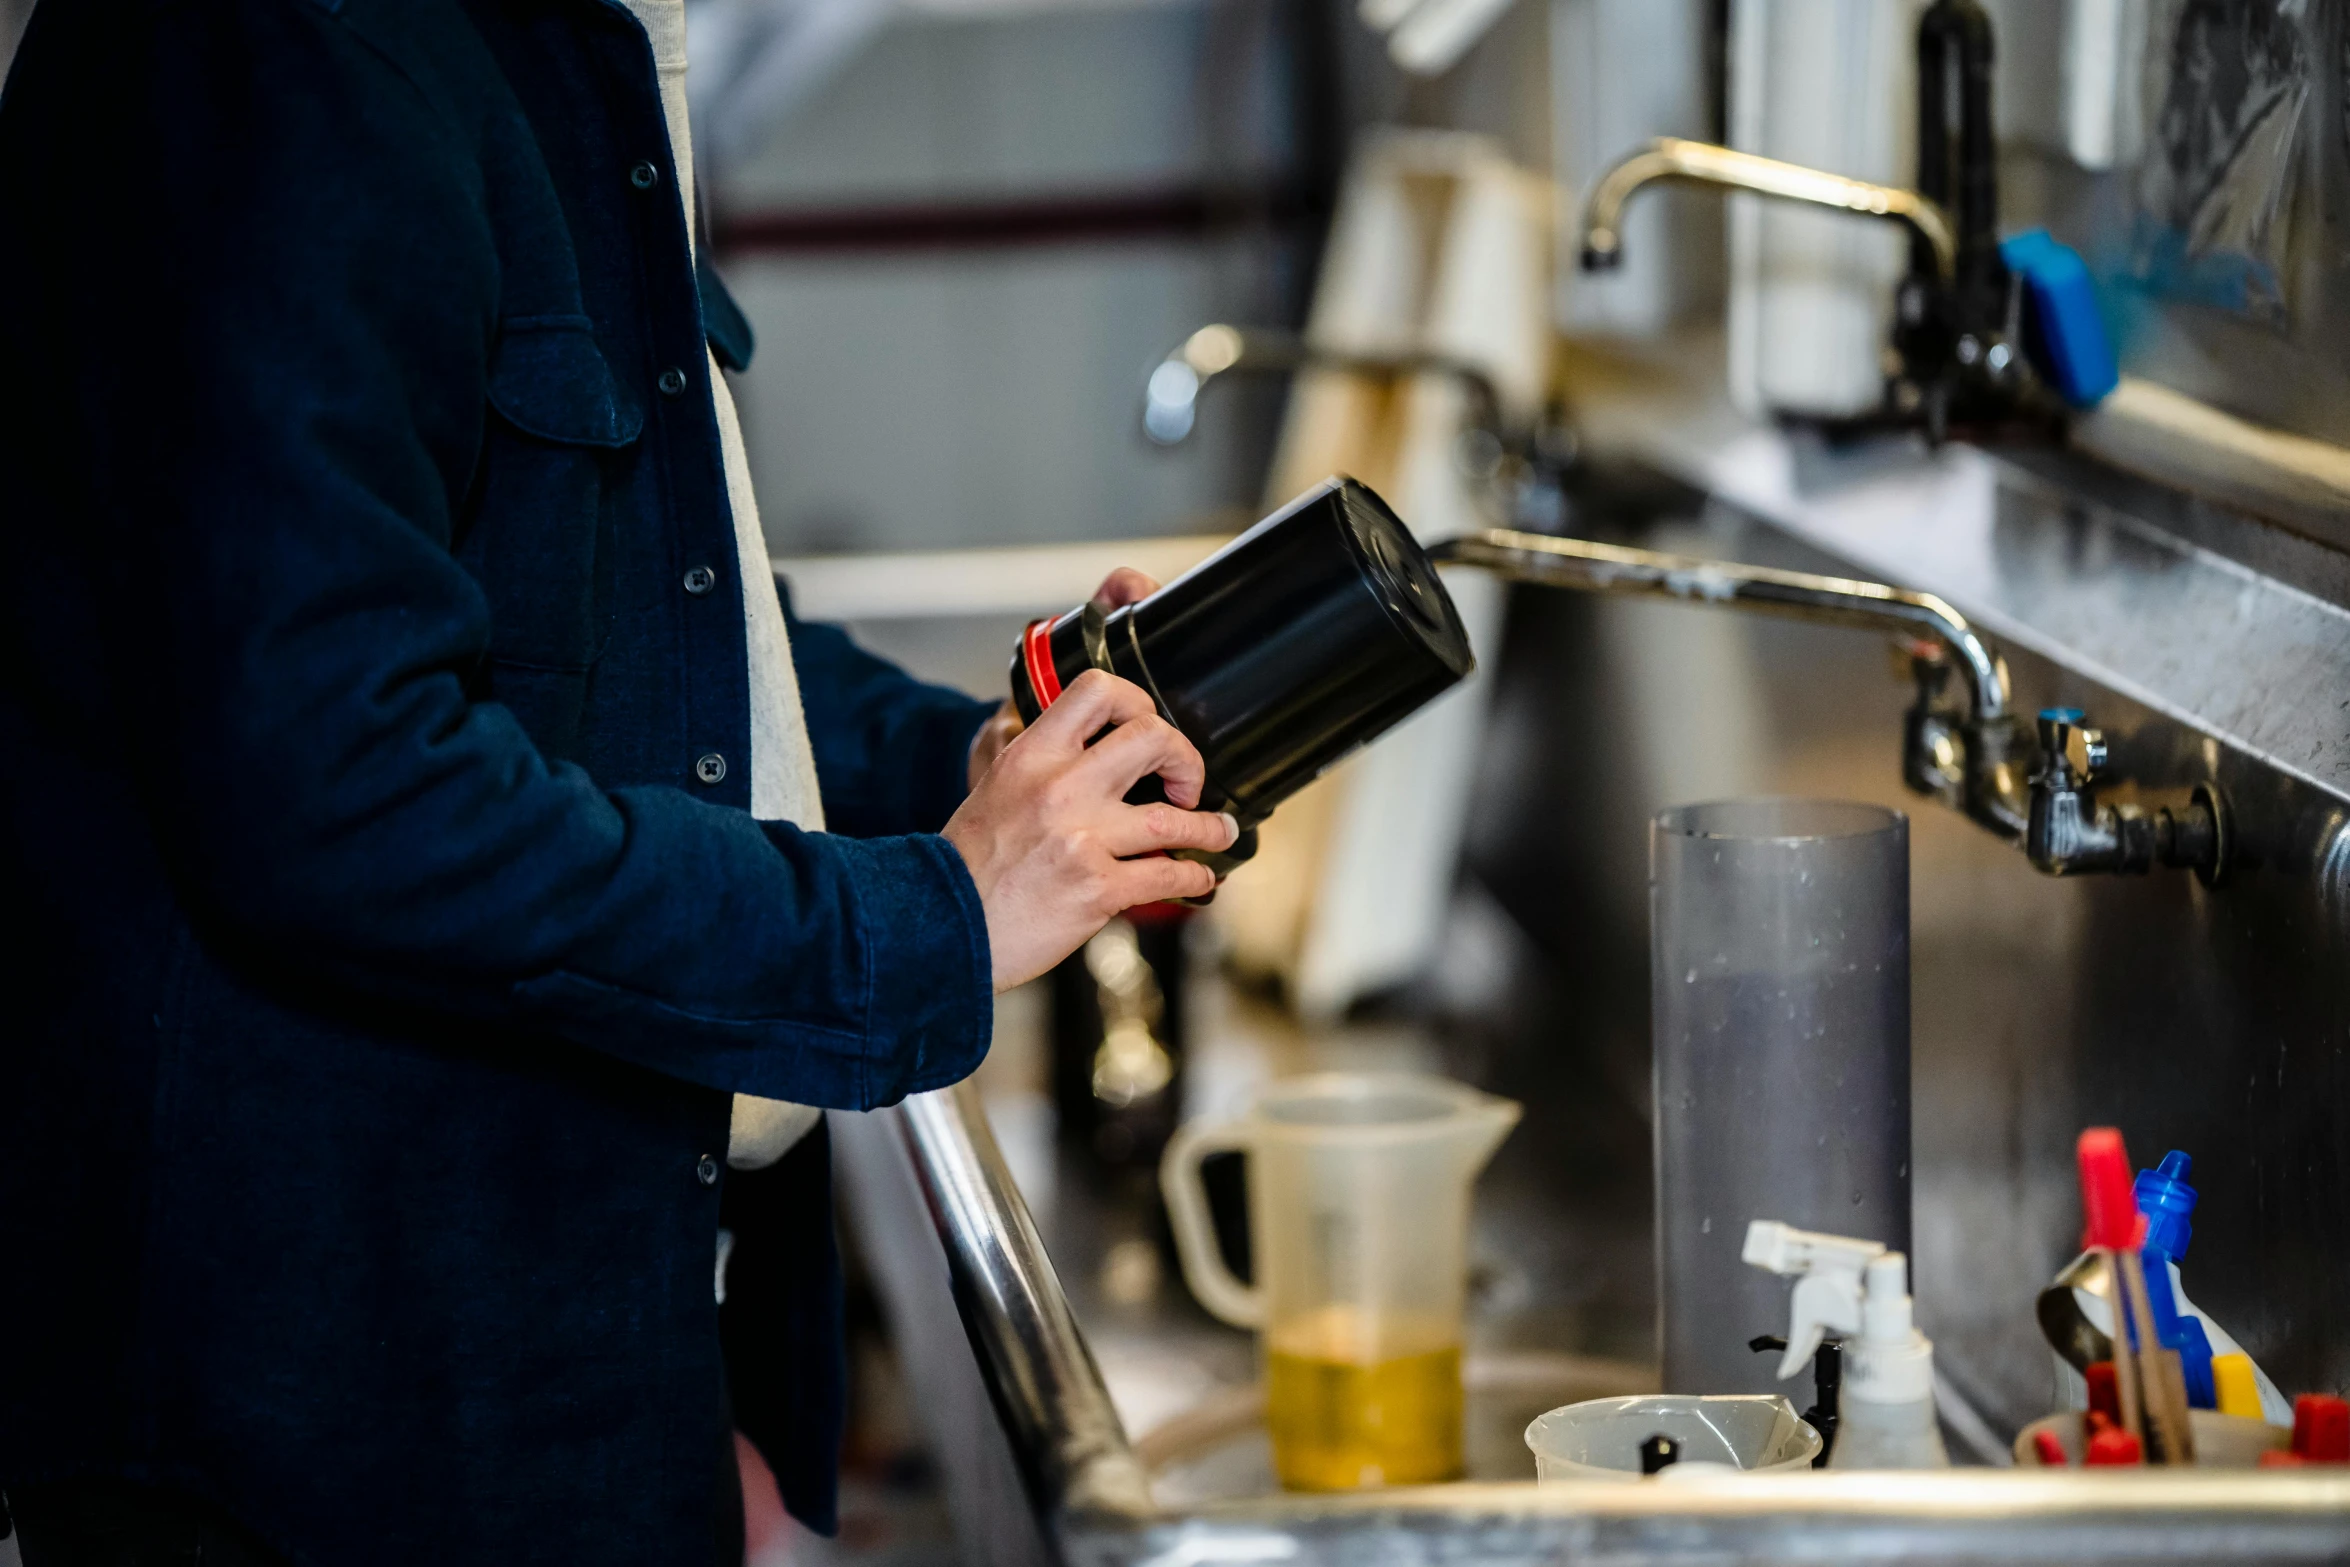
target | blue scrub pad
[{"x": 2063, "y": 332}]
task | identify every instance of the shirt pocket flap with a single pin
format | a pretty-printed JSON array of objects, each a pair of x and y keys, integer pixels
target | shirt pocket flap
[{"x": 549, "y": 379}]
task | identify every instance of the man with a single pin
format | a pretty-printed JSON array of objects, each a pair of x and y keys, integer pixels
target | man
[{"x": 410, "y": 815}]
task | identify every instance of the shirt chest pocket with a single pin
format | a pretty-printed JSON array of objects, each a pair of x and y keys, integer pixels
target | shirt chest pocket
[{"x": 558, "y": 471}]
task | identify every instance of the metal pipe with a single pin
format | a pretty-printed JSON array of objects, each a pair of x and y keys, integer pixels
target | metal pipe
[
  {"x": 1954, "y": 53},
  {"x": 1703, "y": 163},
  {"x": 1989, "y": 790},
  {"x": 1795, "y": 595},
  {"x": 1049, "y": 1394}
]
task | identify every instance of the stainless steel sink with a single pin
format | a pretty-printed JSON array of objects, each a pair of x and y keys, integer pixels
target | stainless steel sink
[{"x": 1039, "y": 1467}]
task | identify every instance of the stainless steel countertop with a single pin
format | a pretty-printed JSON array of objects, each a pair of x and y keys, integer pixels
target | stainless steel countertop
[{"x": 1090, "y": 1501}]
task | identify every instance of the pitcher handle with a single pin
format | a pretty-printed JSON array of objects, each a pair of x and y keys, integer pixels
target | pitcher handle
[{"x": 1180, "y": 1182}]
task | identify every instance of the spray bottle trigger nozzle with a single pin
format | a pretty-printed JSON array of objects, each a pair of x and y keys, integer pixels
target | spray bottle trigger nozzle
[
  {"x": 1820, "y": 1301},
  {"x": 1827, "y": 1271}
]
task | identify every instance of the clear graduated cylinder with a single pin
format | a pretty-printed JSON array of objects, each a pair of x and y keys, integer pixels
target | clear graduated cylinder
[{"x": 1779, "y": 985}]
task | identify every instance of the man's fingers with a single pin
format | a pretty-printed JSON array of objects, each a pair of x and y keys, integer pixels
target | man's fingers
[
  {"x": 999, "y": 731},
  {"x": 1143, "y": 829},
  {"x": 1139, "y": 742},
  {"x": 1093, "y": 700},
  {"x": 1157, "y": 880},
  {"x": 1124, "y": 586},
  {"x": 1142, "y": 746}
]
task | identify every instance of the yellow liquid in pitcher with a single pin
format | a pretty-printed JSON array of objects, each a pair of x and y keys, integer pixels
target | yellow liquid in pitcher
[{"x": 1341, "y": 1419}]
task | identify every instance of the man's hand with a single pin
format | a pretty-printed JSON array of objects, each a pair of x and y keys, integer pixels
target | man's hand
[
  {"x": 1120, "y": 588},
  {"x": 1052, "y": 845}
]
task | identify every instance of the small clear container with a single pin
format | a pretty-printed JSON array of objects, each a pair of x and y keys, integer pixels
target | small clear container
[{"x": 1600, "y": 1438}]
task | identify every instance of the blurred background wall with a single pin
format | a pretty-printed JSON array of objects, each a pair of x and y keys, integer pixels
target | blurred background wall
[
  {"x": 965, "y": 240},
  {"x": 965, "y": 248}
]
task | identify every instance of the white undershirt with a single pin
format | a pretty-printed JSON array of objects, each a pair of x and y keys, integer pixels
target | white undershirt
[{"x": 783, "y": 768}]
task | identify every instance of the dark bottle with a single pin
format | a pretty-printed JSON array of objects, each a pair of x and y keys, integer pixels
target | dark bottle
[{"x": 1317, "y": 630}]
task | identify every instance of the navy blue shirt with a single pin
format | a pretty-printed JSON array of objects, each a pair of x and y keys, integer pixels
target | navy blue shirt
[{"x": 385, "y": 941}]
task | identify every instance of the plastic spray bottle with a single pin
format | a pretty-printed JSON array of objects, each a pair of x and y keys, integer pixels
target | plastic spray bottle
[
  {"x": 1859, "y": 1289},
  {"x": 2167, "y": 1199}
]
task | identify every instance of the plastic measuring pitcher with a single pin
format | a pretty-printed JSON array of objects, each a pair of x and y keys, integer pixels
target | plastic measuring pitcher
[{"x": 1358, "y": 1201}]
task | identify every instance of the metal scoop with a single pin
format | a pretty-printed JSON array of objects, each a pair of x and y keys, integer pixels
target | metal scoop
[{"x": 2073, "y": 1336}]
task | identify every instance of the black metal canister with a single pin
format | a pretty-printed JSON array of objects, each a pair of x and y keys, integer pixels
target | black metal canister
[{"x": 1317, "y": 630}]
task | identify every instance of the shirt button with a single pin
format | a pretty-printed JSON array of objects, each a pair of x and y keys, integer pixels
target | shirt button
[
  {"x": 710, "y": 767},
  {"x": 645, "y": 175},
  {"x": 700, "y": 580},
  {"x": 707, "y": 1171},
  {"x": 672, "y": 381}
]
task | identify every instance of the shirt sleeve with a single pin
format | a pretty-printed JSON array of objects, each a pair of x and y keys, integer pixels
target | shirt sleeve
[
  {"x": 279, "y": 439},
  {"x": 892, "y": 752}
]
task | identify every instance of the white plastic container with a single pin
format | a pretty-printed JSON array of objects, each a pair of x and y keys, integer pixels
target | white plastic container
[
  {"x": 1600, "y": 1438},
  {"x": 1831, "y": 84},
  {"x": 2072, "y": 1390}
]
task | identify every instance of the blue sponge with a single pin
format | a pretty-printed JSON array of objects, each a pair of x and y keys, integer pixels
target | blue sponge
[{"x": 2063, "y": 333}]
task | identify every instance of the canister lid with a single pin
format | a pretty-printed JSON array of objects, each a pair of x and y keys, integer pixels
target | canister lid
[
  {"x": 1402, "y": 578},
  {"x": 1312, "y": 633}
]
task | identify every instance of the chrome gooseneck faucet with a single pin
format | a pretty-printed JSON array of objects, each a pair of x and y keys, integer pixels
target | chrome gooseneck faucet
[
  {"x": 1972, "y": 759},
  {"x": 1671, "y": 159},
  {"x": 1971, "y": 756},
  {"x": 1958, "y": 327},
  {"x": 1171, "y": 398},
  {"x": 1968, "y": 760}
]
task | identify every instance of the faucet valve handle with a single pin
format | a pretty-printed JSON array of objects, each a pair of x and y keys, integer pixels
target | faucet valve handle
[
  {"x": 2056, "y": 726},
  {"x": 2075, "y": 751},
  {"x": 2092, "y": 751}
]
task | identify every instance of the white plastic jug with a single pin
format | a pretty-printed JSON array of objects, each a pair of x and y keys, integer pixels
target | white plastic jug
[{"x": 1359, "y": 1219}]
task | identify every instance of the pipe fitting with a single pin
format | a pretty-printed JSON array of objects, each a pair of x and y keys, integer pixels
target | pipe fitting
[{"x": 2069, "y": 834}]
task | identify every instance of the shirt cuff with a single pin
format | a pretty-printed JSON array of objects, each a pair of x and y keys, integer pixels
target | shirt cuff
[{"x": 930, "y": 991}]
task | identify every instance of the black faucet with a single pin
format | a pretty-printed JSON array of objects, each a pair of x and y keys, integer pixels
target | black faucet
[
  {"x": 1958, "y": 315},
  {"x": 1958, "y": 330},
  {"x": 2068, "y": 833}
]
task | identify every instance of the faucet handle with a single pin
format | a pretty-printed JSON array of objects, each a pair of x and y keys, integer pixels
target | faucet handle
[
  {"x": 2071, "y": 744},
  {"x": 2092, "y": 756}
]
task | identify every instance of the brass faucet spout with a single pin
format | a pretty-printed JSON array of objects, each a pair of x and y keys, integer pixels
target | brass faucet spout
[{"x": 1703, "y": 163}]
